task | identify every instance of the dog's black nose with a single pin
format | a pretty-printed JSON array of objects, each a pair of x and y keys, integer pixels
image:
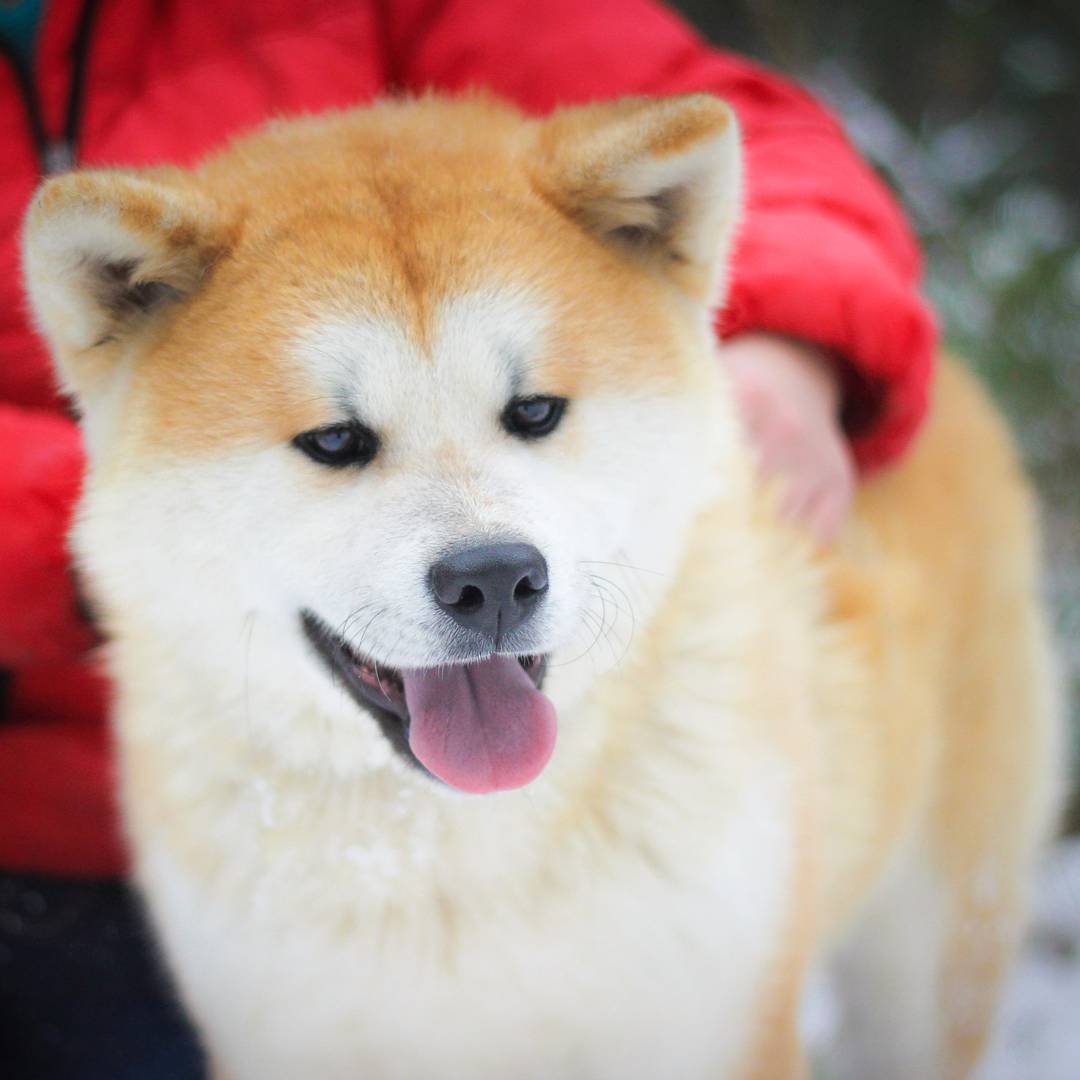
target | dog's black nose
[{"x": 491, "y": 588}]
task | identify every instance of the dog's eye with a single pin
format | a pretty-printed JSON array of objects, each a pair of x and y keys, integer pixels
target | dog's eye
[
  {"x": 339, "y": 444},
  {"x": 532, "y": 417}
]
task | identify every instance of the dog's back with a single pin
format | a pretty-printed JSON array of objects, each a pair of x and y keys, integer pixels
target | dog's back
[
  {"x": 938, "y": 581},
  {"x": 907, "y": 670}
]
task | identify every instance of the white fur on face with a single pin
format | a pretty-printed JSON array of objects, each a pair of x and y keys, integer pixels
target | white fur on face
[{"x": 268, "y": 533}]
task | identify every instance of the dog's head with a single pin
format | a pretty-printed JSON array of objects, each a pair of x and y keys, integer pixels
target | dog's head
[{"x": 419, "y": 398}]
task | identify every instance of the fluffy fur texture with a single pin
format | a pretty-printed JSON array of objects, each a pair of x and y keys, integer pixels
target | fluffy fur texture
[{"x": 768, "y": 756}]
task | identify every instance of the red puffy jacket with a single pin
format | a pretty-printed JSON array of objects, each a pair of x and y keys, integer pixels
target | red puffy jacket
[{"x": 823, "y": 255}]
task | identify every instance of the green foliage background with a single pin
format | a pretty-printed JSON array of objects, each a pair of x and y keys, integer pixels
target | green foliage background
[{"x": 971, "y": 110}]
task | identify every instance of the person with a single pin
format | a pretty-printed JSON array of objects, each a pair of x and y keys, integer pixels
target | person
[{"x": 827, "y": 341}]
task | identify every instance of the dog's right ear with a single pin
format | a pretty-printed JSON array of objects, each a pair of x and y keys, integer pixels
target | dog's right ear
[
  {"x": 105, "y": 255},
  {"x": 657, "y": 179}
]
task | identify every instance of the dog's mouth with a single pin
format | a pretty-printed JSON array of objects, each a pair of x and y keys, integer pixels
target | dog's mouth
[{"x": 480, "y": 727}]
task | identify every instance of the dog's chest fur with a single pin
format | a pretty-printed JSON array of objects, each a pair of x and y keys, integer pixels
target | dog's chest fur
[
  {"x": 614, "y": 920},
  {"x": 634, "y": 968}
]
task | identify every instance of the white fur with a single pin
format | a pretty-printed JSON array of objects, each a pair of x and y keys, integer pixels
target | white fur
[
  {"x": 217, "y": 677},
  {"x": 625, "y": 974}
]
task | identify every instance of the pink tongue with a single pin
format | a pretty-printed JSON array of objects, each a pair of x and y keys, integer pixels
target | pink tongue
[{"x": 479, "y": 727}]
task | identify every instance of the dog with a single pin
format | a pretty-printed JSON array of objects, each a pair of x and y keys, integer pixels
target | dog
[{"x": 477, "y": 714}]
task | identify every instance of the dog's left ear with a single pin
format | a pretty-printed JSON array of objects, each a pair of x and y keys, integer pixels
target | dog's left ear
[
  {"x": 107, "y": 254},
  {"x": 658, "y": 178}
]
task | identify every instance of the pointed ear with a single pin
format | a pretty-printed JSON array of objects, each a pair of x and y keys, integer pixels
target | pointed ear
[
  {"x": 105, "y": 254},
  {"x": 660, "y": 179}
]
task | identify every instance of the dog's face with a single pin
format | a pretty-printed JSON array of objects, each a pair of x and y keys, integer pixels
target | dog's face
[{"x": 418, "y": 398}]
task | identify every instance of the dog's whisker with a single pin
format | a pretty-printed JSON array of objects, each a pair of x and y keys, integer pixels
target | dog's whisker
[
  {"x": 622, "y": 566},
  {"x": 352, "y": 617},
  {"x": 599, "y": 581},
  {"x": 608, "y": 628},
  {"x": 356, "y": 646},
  {"x": 603, "y": 589},
  {"x": 586, "y": 614},
  {"x": 601, "y": 632},
  {"x": 378, "y": 674},
  {"x": 604, "y": 629}
]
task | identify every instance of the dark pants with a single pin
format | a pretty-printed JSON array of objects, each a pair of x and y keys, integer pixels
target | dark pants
[{"x": 82, "y": 995}]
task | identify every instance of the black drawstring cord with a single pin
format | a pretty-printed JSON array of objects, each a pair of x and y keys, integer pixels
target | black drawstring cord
[
  {"x": 57, "y": 155},
  {"x": 24, "y": 79},
  {"x": 80, "y": 55},
  {"x": 6, "y": 679}
]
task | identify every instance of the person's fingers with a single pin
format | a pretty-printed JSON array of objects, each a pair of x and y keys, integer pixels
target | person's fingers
[
  {"x": 786, "y": 402},
  {"x": 827, "y": 516},
  {"x": 803, "y": 490},
  {"x": 816, "y": 479},
  {"x": 837, "y": 508},
  {"x": 796, "y": 501}
]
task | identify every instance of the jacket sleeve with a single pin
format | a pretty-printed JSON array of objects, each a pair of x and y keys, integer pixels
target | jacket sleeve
[
  {"x": 824, "y": 253},
  {"x": 41, "y": 466}
]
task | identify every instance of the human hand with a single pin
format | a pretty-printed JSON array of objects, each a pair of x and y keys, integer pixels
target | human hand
[{"x": 788, "y": 396}]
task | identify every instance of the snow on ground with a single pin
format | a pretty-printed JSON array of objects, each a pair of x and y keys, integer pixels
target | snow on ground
[
  {"x": 1038, "y": 1032},
  {"x": 1038, "y": 1037}
]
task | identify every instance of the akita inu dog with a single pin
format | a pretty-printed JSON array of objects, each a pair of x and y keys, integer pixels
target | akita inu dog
[{"x": 478, "y": 718}]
